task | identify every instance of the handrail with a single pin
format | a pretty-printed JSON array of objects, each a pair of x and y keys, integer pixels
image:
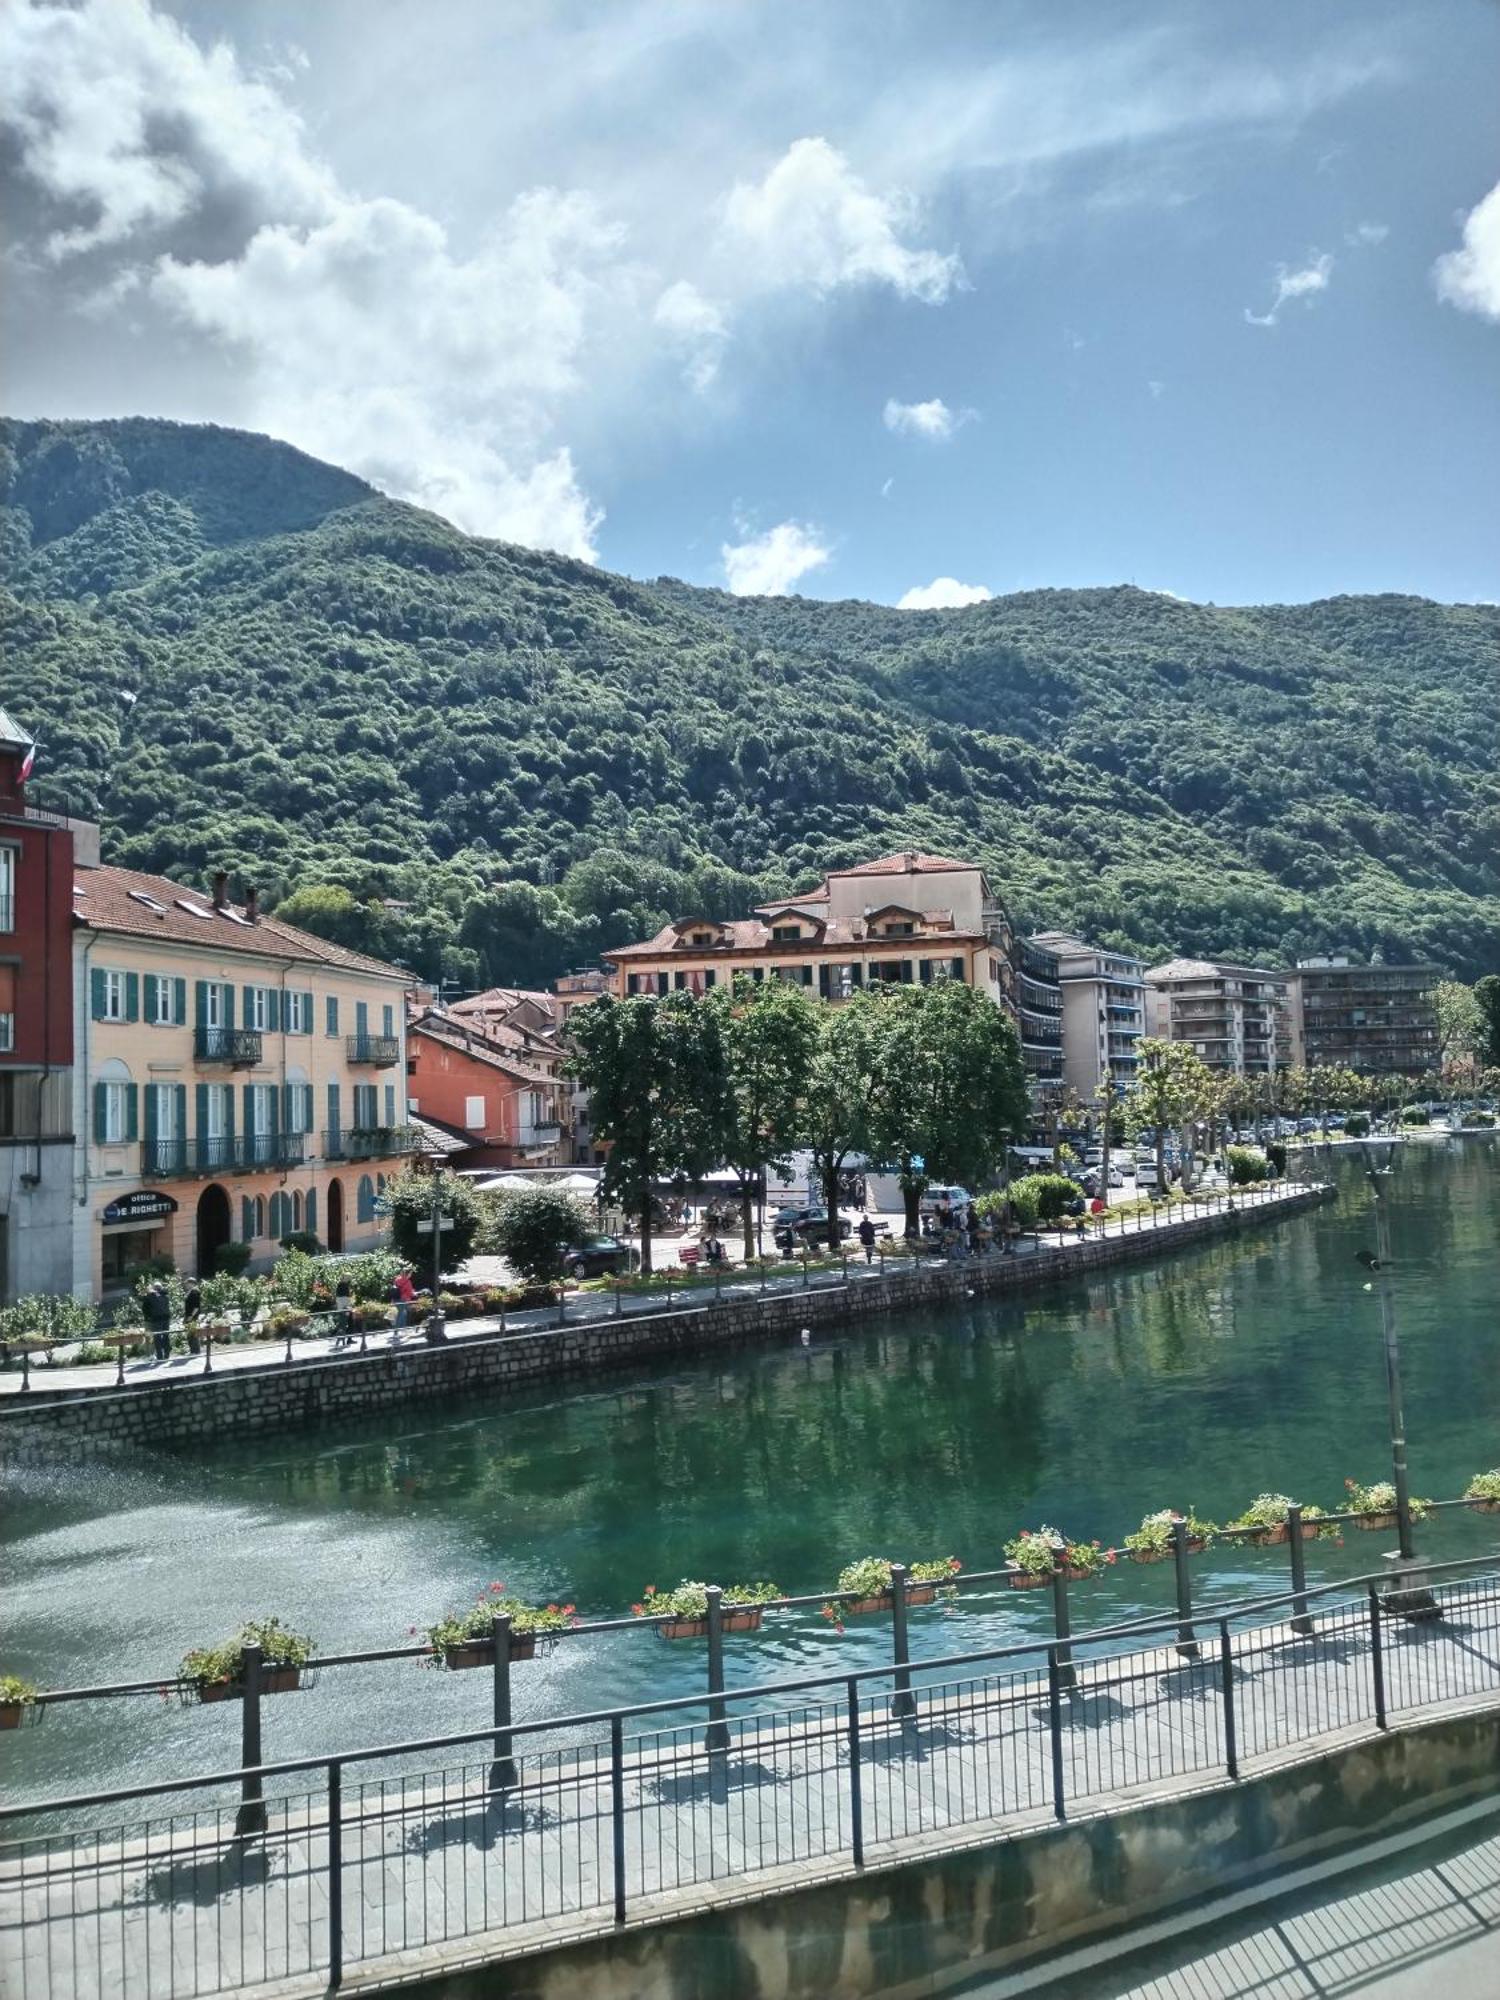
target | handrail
[{"x": 769, "y": 1690}]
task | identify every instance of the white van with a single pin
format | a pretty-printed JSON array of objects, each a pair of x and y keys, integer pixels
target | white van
[{"x": 956, "y": 1198}]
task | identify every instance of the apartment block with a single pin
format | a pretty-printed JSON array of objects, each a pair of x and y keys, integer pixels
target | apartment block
[
  {"x": 1103, "y": 1012},
  {"x": 236, "y": 1079},
  {"x": 1234, "y": 1016},
  {"x": 1378, "y": 1019}
]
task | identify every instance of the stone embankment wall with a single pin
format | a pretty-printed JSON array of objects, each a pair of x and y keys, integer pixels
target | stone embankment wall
[{"x": 328, "y": 1390}]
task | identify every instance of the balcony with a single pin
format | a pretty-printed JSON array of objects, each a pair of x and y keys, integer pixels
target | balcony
[
  {"x": 163, "y": 1159},
  {"x": 379, "y": 1142},
  {"x": 383, "y": 1051},
  {"x": 215, "y": 1153},
  {"x": 542, "y": 1128},
  {"x": 334, "y": 1144},
  {"x": 271, "y": 1149},
  {"x": 238, "y": 1047}
]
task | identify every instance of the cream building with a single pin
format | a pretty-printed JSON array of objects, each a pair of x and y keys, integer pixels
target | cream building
[
  {"x": 1104, "y": 1012},
  {"x": 235, "y": 1079},
  {"x": 1235, "y": 1016}
]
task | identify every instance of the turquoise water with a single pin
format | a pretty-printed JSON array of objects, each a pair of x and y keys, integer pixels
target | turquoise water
[{"x": 1202, "y": 1380}]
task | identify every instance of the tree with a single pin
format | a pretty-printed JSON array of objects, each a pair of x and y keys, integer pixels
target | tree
[
  {"x": 407, "y": 1204},
  {"x": 950, "y": 1087},
  {"x": 1460, "y": 1022},
  {"x": 836, "y": 1121},
  {"x": 655, "y": 1074},
  {"x": 1171, "y": 1084},
  {"x": 769, "y": 1034},
  {"x": 532, "y": 1227},
  {"x": 1487, "y": 999}
]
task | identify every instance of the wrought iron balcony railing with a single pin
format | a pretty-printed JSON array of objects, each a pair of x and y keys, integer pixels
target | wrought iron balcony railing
[
  {"x": 381, "y": 1050},
  {"x": 239, "y": 1047}
]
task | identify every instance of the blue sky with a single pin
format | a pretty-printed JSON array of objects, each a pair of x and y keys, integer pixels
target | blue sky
[{"x": 846, "y": 299}]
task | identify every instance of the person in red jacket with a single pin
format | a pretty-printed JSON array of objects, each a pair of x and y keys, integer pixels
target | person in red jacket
[{"x": 403, "y": 1291}]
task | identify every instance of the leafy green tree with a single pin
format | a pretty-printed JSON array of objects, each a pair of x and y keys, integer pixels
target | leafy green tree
[
  {"x": 655, "y": 1074},
  {"x": 1172, "y": 1083},
  {"x": 837, "y": 1122},
  {"x": 1487, "y": 1000},
  {"x": 769, "y": 1033},
  {"x": 1460, "y": 1023},
  {"x": 407, "y": 1204},
  {"x": 532, "y": 1227}
]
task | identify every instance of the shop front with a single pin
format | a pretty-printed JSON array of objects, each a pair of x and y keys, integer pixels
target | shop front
[{"x": 135, "y": 1228}]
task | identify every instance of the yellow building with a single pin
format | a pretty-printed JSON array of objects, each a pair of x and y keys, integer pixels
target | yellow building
[{"x": 236, "y": 1080}]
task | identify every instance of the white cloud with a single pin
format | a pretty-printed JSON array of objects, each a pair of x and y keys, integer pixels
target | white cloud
[
  {"x": 1157, "y": 389},
  {"x": 697, "y": 327},
  {"x": 886, "y": 485},
  {"x": 1365, "y": 235},
  {"x": 1469, "y": 277},
  {"x": 933, "y": 420},
  {"x": 1300, "y": 284},
  {"x": 944, "y": 593},
  {"x": 813, "y": 222},
  {"x": 768, "y": 565}
]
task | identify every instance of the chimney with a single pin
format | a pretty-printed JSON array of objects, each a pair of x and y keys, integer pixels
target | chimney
[
  {"x": 252, "y": 905},
  {"x": 221, "y": 887}
]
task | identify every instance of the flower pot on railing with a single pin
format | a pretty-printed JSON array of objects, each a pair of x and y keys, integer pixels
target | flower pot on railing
[
  {"x": 682, "y": 1613},
  {"x": 682, "y": 1628},
  {"x": 273, "y": 1680},
  {"x": 18, "y": 1703},
  {"x": 217, "y": 1673},
  {"x": 882, "y": 1600},
  {"x": 465, "y": 1653}
]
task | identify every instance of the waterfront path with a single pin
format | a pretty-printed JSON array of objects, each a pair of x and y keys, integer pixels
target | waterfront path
[
  {"x": 390, "y": 1859},
  {"x": 580, "y": 1308}
]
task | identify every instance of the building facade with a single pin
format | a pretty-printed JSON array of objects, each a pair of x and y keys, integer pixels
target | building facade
[
  {"x": 236, "y": 1080},
  {"x": 1378, "y": 1019},
  {"x": 1103, "y": 1012},
  {"x": 1236, "y": 1017},
  {"x": 36, "y": 1031},
  {"x": 511, "y": 1112}
]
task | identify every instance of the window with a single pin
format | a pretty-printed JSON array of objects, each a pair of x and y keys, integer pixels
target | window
[
  {"x": 164, "y": 1001},
  {"x": 114, "y": 1112},
  {"x": 164, "y": 1115},
  {"x": 7, "y": 888},
  {"x": 679, "y": 980},
  {"x": 214, "y": 1003},
  {"x": 786, "y": 933},
  {"x": 703, "y": 937},
  {"x": 364, "y": 1200},
  {"x": 388, "y": 1019},
  {"x": 259, "y": 1008},
  {"x": 7, "y": 1032},
  {"x": 111, "y": 995},
  {"x": 214, "y": 1111},
  {"x": 331, "y": 1014},
  {"x": 900, "y": 930},
  {"x": 297, "y": 1008},
  {"x": 474, "y": 1114}
]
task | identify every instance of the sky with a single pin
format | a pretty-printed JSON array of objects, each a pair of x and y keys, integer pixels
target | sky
[{"x": 918, "y": 302}]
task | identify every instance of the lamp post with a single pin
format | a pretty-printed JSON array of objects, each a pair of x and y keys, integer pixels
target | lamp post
[{"x": 1380, "y": 1265}]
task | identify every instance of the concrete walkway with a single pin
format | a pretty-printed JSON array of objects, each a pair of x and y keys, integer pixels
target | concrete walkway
[{"x": 430, "y": 1856}]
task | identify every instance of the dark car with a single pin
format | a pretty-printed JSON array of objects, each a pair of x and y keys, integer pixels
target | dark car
[
  {"x": 600, "y": 1256},
  {"x": 809, "y": 1225}
]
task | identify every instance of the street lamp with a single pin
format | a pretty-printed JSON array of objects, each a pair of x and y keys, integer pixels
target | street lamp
[{"x": 1380, "y": 1265}]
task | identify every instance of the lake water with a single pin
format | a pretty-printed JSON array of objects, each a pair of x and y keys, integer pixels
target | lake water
[{"x": 1204, "y": 1379}]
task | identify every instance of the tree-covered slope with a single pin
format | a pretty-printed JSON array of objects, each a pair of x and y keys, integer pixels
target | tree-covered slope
[{"x": 234, "y": 655}]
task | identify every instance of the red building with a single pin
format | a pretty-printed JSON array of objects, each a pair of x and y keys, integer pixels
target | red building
[
  {"x": 36, "y": 1029},
  {"x": 471, "y": 1081}
]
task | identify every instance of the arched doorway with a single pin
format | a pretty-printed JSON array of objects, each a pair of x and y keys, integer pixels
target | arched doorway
[
  {"x": 335, "y": 1215},
  {"x": 213, "y": 1227}
]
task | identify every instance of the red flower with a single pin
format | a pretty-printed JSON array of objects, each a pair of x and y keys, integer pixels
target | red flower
[
  {"x": 569, "y": 1610},
  {"x": 639, "y": 1610},
  {"x": 651, "y": 1590}
]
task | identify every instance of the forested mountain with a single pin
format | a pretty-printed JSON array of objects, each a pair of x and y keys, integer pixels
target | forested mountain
[{"x": 492, "y": 762}]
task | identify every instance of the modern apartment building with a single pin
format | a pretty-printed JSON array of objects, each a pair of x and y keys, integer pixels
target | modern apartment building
[
  {"x": 1103, "y": 1012},
  {"x": 1378, "y": 1019},
  {"x": 1234, "y": 1016},
  {"x": 1039, "y": 1015},
  {"x": 235, "y": 1079},
  {"x": 36, "y": 1030}
]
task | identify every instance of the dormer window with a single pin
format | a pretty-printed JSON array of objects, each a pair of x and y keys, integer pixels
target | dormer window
[
  {"x": 703, "y": 937},
  {"x": 899, "y": 930},
  {"x": 785, "y": 933}
]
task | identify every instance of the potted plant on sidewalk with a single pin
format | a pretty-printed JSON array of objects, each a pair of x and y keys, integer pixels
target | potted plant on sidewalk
[
  {"x": 1375, "y": 1506},
  {"x": 682, "y": 1613},
  {"x": 217, "y": 1673},
  {"x": 1152, "y": 1540},
  {"x": 1483, "y": 1492},
  {"x": 18, "y": 1702},
  {"x": 462, "y": 1639}
]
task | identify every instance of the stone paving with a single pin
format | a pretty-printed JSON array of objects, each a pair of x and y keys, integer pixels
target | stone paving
[{"x": 178, "y": 1905}]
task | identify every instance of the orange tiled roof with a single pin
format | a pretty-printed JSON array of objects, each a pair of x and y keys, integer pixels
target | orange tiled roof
[
  {"x": 749, "y": 934},
  {"x": 482, "y": 1047},
  {"x": 908, "y": 864}
]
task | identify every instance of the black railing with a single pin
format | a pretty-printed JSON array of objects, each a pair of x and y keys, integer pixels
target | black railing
[
  {"x": 320, "y": 1864},
  {"x": 161, "y": 1158},
  {"x": 215, "y": 1153},
  {"x": 240, "y": 1047},
  {"x": 373, "y": 1142},
  {"x": 334, "y": 1143},
  {"x": 382, "y": 1050},
  {"x": 272, "y": 1149}
]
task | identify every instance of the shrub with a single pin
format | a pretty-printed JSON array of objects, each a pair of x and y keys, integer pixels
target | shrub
[
  {"x": 406, "y": 1204},
  {"x": 455, "y": 1628},
  {"x": 1043, "y": 1197},
  {"x": 1246, "y": 1165},
  {"x": 1484, "y": 1486},
  {"x": 43, "y": 1316},
  {"x": 532, "y": 1227},
  {"x": 303, "y": 1240},
  {"x": 1276, "y": 1155},
  {"x": 230, "y": 1259},
  {"x": 1485, "y": 1118},
  {"x": 1414, "y": 1114},
  {"x": 1356, "y": 1125}
]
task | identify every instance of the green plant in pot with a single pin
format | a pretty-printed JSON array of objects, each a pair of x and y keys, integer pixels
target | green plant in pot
[
  {"x": 1483, "y": 1492},
  {"x": 1035, "y": 1553},
  {"x": 1265, "y": 1518},
  {"x": 1152, "y": 1540},
  {"x": 217, "y": 1673},
  {"x": 462, "y": 1639},
  {"x": 1375, "y": 1506},
  {"x": 18, "y": 1702},
  {"x": 682, "y": 1613}
]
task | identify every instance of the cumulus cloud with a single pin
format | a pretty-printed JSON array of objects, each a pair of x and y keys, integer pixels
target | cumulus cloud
[
  {"x": 944, "y": 593},
  {"x": 1469, "y": 277},
  {"x": 1304, "y": 283},
  {"x": 933, "y": 420},
  {"x": 697, "y": 328},
  {"x": 812, "y": 221},
  {"x": 767, "y": 565}
]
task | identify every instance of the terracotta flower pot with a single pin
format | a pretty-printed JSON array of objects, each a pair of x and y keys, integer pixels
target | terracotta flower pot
[
  {"x": 1078, "y": 1575},
  {"x": 467, "y": 1653},
  {"x": 921, "y": 1593},
  {"x": 682, "y": 1628},
  {"x": 273, "y": 1680},
  {"x": 14, "y": 1713},
  {"x": 881, "y": 1601},
  {"x": 742, "y": 1617},
  {"x": 1371, "y": 1522},
  {"x": 1150, "y": 1555},
  {"x": 1485, "y": 1506},
  {"x": 1028, "y": 1579}
]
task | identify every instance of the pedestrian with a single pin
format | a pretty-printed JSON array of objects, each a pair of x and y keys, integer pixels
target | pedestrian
[
  {"x": 192, "y": 1305},
  {"x": 973, "y": 1227},
  {"x": 157, "y": 1309},
  {"x": 343, "y": 1305},
  {"x": 403, "y": 1291},
  {"x": 866, "y": 1233}
]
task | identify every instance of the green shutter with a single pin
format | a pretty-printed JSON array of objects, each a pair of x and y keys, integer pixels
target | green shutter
[
  {"x": 149, "y": 997},
  {"x": 179, "y": 1003},
  {"x": 289, "y": 1107},
  {"x": 132, "y": 996},
  {"x": 307, "y": 1012},
  {"x": 151, "y": 1119},
  {"x": 310, "y": 1211},
  {"x": 228, "y": 989},
  {"x": 96, "y": 993},
  {"x": 249, "y": 1014},
  {"x": 200, "y": 1003},
  {"x": 273, "y": 1010},
  {"x": 361, "y": 1018},
  {"x": 249, "y": 1113},
  {"x": 390, "y": 1104},
  {"x": 388, "y": 1020},
  {"x": 247, "y": 1219},
  {"x": 331, "y": 1009},
  {"x": 101, "y": 1114},
  {"x": 132, "y": 1110},
  {"x": 228, "y": 1090}
]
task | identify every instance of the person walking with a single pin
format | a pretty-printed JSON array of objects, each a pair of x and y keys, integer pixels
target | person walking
[
  {"x": 403, "y": 1291},
  {"x": 192, "y": 1305},
  {"x": 343, "y": 1306},
  {"x": 866, "y": 1233},
  {"x": 157, "y": 1311},
  {"x": 972, "y": 1220}
]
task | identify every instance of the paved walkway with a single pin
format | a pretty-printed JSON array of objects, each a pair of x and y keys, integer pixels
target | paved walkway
[
  {"x": 581, "y": 1306},
  {"x": 179, "y": 1906}
]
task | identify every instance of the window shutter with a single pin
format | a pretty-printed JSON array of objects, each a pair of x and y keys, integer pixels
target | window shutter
[
  {"x": 96, "y": 993},
  {"x": 361, "y": 1017},
  {"x": 807, "y": 975},
  {"x": 925, "y": 969},
  {"x": 390, "y": 1104},
  {"x": 957, "y": 968},
  {"x": 149, "y": 996},
  {"x": 307, "y": 1012},
  {"x": 825, "y": 984},
  {"x": 200, "y": 1003},
  {"x": 101, "y": 1112},
  {"x": 132, "y": 1110},
  {"x": 247, "y": 1219},
  {"x": 906, "y": 972},
  {"x": 179, "y": 1092},
  {"x": 273, "y": 1107},
  {"x": 388, "y": 1020},
  {"x": 151, "y": 1118},
  {"x": 273, "y": 1011},
  {"x": 333, "y": 1107},
  {"x": 249, "y": 1006},
  {"x": 249, "y": 1102},
  {"x": 331, "y": 1012},
  {"x": 228, "y": 1090},
  {"x": 132, "y": 996},
  {"x": 310, "y": 1211},
  {"x": 200, "y": 1112},
  {"x": 856, "y": 975},
  {"x": 179, "y": 1003},
  {"x": 228, "y": 1003}
]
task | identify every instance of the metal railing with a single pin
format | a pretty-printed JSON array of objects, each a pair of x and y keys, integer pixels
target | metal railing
[
  {"x": 382, "y": 1050},
  {"x": 239, "y": 1047},
  {"x": 316, "y": 1865},
  {"x": 374, "y": 1142}
]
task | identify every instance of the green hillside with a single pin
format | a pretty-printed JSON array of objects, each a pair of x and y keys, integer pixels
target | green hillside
[{"x": 236, "y": 656}]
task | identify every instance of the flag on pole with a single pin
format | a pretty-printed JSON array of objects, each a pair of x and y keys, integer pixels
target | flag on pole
[{"x": 27, "y": 761}]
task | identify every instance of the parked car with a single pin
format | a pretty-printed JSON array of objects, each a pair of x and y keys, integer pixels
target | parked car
[
  {"x": 806, "y": 1225},
  {"x": 956, "y": 1198},
  {"x": 601, "y": 1256}
]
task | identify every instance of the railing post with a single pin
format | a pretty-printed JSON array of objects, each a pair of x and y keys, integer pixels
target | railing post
[
  {"x": 1054, "y": 1730},
  {"x": 617, "y": 1809},
  {"x": 208, "y": 1350},
  {"x": 903, "y": 1702},
  {"x": 1377, "y": 1658},
  {"x": 119, "y": 1370},
  {"x": 335, "y": 1876},
  {"x": 1187, "y": 1645},
  {"x": 1226, "y": 1685},
  {"x": 503, "y": 1770},
  {"x": 1063, "y": 1626},
  {"x": 251, "y": 1817},
  {"x": 804, "y": 1267},
  {"x": 1301, "y": 1622},
  {"x": 717, "y": 1738},
  {"x": 856, "y": 1795}
]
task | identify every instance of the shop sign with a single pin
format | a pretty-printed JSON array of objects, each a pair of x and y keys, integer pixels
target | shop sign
[{"x": 145, "y": 1205}]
